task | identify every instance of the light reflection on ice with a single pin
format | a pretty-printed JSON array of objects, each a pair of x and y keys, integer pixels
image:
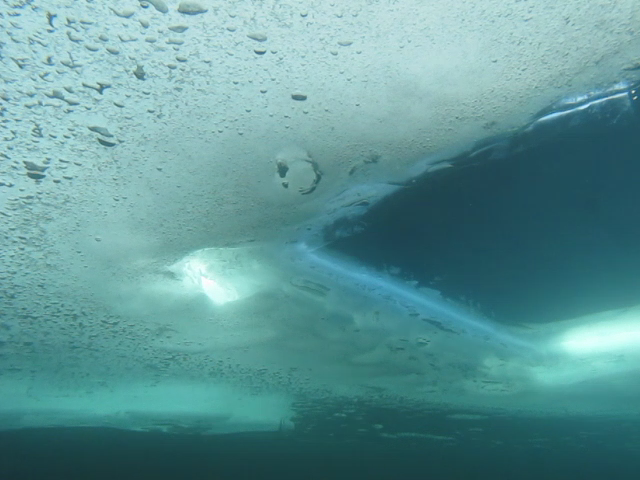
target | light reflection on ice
[
  {"x": 392, "y": 336},
  {"x": 603, "y": 338}
]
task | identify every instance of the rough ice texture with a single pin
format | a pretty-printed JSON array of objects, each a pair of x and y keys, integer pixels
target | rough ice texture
[{"x": 192, "y": 161}]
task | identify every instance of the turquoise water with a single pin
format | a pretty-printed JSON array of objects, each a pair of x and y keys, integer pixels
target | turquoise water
[{"x": 502, "y": 447}]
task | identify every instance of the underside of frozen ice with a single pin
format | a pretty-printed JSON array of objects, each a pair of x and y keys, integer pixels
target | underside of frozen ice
[{"x": 173, "y": 179}]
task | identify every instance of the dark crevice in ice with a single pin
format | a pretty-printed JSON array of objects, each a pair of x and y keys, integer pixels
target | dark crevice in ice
[{"x": 541, "y": 226}]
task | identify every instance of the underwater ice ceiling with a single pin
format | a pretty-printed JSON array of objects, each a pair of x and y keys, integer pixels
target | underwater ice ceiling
[{"x": 168, "y": 170}]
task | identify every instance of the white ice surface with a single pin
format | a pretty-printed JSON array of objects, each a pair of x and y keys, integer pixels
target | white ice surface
[{"x": 98, "y": 325}]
